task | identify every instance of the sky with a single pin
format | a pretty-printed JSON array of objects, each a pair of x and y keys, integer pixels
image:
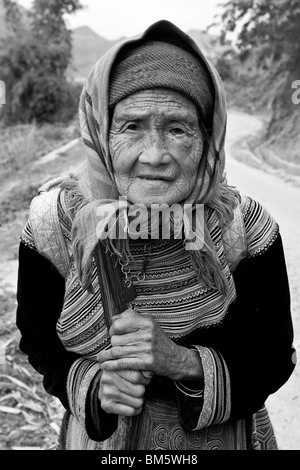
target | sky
[{"x": 113, "y": 19}]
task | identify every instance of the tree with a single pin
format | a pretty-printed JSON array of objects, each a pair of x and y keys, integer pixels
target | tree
[
  {"x": 50, "y": 28},
  {"x": 267, "y": 33},
  {"x": 34, "y": 60},
  {"x": 267, "y": 30},
  {"x": 272, "y": 25}
]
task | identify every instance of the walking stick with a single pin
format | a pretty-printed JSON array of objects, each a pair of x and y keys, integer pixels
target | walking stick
[
  {"x": 111, "y": 286},
  {"x": 110, "y": 281}
]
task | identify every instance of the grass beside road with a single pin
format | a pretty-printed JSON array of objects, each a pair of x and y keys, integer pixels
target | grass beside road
[{"x": 30, "y": 418}]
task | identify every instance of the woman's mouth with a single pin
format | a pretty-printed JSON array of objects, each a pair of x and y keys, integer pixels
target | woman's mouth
[{"x": 155, "y": 177}]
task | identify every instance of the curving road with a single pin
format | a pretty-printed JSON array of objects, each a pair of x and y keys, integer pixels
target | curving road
[{"x": 283, "y": 202}]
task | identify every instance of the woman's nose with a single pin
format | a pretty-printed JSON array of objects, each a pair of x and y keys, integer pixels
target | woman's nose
[{"x": 155, "y": 151}]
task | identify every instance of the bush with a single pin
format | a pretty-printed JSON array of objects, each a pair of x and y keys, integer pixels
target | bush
[
  {"x": 18, "y": 146},
  {"x": 42, "y": 98},
  {"x": 69, "y": 106},
  {"x": 33, "y": 63},
  {"x": 223, "y": 67}
]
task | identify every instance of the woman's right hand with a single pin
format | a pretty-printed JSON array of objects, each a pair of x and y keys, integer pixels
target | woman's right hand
[{"x": 122, "y": 392}]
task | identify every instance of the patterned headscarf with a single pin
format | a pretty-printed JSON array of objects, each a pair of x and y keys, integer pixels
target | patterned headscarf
[
  {"x": 159, "y": 64},
  {"x": 97, "y": 182}
]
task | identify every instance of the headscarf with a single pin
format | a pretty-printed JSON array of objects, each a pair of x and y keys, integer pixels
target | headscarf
[
  {"x": 161, "y": 64},
  {"x": 96, "y": 180}
]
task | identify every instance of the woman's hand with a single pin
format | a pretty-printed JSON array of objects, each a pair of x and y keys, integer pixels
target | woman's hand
[
  {"x": 139, "y": 343},
  {"x": 122, "y": 392}
]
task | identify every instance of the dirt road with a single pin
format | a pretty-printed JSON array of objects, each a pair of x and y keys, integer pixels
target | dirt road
[{"x": 283, "y": 202}]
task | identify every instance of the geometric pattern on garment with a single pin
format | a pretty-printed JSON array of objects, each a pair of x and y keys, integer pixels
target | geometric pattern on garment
[
  {"x": 261, "y": 228},
  {"x": 81, "y": 326},
  {"x": 170, "y": 292},
  {"x": 46, "y": 229},
  {"x": 158, "y": 427},
  {"x": 263, "y": 435},
  {"x": 161, "y": 431},
  {"x": 234, "y": 239}
]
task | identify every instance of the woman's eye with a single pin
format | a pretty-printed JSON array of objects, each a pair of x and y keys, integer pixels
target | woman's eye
[
  {"x": 177, "y": 131},
  {"x": 131, "y": 127}
]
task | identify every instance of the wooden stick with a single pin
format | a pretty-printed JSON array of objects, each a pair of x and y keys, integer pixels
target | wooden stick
[{"x": 110, "y": 281}]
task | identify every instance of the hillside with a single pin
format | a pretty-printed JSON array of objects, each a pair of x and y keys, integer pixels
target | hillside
[
  {"x": 264, "y": 87},
  {"x": 88, "y": 47},
  {"x": 209, "y": 44},
  {"x": 251, "y": 85},
  {"x": 268, "y": 53}
]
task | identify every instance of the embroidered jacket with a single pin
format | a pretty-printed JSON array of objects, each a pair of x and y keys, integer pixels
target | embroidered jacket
[{"x": 244, "y": 340}]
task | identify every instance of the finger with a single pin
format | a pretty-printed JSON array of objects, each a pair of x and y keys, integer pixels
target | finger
[
  {"x": 124, "y": 410},
  {"x": 104, "y": 356},
  {"x": 120, "y": 409},
  {"x": 127, "y": 313},
  {"x": 119, "y": 381},
  {"x": 147, "y": 376},
  {"x": 138, "y": 351},
  {"x": 114, "y": 318},
  {"x": 135, "y": 376},
  {"x": 130, "y": 324},
  {"x": 128, "y": 411},
  {"x": 142, "y": 377},
  {"x": 127, "y": 339},
  {"x": 127, "y": 363},
  {"x": 130, "y": 389},
  {"x": 118, "y": 352},
  {"x": 112, "y": 394}
]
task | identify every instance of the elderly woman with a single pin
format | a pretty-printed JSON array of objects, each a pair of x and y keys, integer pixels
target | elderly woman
[{"x": 150, "y": 343}]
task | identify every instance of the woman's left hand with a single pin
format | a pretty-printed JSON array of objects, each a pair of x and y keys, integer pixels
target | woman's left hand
[{"x": 139, "y": 343}]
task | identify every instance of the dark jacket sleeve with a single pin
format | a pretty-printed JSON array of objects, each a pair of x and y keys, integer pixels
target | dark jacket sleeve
[
  {"x": 253, "y": 344},
  {"x": 40, "y": 297},
  {"x": 257, "y": 342}
]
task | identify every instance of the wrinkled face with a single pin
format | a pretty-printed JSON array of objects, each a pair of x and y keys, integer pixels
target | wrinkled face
[{"x": 156, "y": 145}]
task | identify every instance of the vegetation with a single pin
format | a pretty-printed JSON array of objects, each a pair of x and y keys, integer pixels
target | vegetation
[
  {"x": 30, "y": 418},
  {"x": 34, "y": 59},
  {"x": 265, "y": 66},
  {"x": 273, "y": 26}
]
